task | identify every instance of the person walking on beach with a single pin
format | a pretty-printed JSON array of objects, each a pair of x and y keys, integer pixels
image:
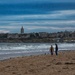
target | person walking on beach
[
  {"x": 51, "y": 50},
  {"x": 56, "y": 49}
]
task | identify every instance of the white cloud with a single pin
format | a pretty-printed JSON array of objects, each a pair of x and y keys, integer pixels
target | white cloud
[
  {"x": 65, "y": 12},
  {"x": 16, "y": 21},
  {"x": 9, "y": 27},
  {"x": 34, "y": 28},
  {"x": 48, "y": 28},
  {"x": 53, "y": 22},
  {"x": 62, "y": 14},
  {"x": 4, "y": 31}
]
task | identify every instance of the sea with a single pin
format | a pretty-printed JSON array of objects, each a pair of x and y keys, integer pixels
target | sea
[{"x": 11, "y": 50}]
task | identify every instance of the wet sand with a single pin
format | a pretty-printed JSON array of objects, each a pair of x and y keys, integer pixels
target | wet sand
[{"x": 63, "y": 64}]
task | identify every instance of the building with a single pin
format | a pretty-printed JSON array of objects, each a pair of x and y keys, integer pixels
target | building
[
  {"x": 25, "y": 36},
  {"x": 14, "y": 35},
  {"x": 22, "y": 30},
  {"x": 2, "y": 36},
  {"x": 43, "y": 34}
]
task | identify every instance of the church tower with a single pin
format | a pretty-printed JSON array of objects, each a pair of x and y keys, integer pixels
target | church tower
[{"x": 22, "y": 30}]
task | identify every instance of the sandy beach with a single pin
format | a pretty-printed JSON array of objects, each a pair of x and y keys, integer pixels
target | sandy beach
[{"x": 63, "y": 64}]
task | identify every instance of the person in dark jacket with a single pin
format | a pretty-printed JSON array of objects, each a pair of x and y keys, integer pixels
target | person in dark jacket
[
  {"x": 51, "y": 50},
  {"x": 56, "y": 49}
]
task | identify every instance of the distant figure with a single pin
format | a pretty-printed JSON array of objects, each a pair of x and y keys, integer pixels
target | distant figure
[
  {"x": 51, "y": 50},
  {"x": 56, "y": 49}
]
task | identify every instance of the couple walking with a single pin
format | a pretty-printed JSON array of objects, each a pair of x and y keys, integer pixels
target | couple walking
[{"x": 52, "y": 49}]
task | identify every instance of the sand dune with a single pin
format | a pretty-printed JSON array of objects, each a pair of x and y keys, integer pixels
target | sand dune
[{"x": 63, "y": 64}]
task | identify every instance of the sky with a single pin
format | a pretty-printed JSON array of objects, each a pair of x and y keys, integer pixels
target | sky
[
  {"x": 28, "y": 1},
  {"x": 37, "y": 15}
]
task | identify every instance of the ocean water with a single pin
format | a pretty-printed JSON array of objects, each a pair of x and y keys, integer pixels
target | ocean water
[{"x": 9, "y": 50}]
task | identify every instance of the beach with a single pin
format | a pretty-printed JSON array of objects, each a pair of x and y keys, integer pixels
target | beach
[{"x": 62, "y": 64}]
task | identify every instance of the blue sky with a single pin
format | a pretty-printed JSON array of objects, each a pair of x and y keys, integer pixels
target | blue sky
[
  {"x": 34, "y": 17},
  {"x": 27, "y": 1}
]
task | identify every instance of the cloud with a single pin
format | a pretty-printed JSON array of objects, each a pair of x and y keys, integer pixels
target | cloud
[
  {"x": 62, "y": 14},
  {"x": 4, "y": 31},
  {"x": 56, "y": 20},
  {"x": 9, "y": 27},
  {"x": 49, "y": 27},
  {"x": 40, "y": 23}
]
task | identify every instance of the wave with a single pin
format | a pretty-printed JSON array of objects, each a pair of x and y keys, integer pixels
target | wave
[
  {"x": 35, "y": 46},
  {"x": 23, "y": 46},
  {"x": 8, "y": 50}
]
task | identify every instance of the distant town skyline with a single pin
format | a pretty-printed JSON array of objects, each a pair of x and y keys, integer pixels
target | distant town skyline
[{"x": 37, "y": 15}]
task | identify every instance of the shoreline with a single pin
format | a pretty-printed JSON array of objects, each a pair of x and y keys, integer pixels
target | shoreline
[
  {"x": 11, "y": 56},
  {"x": 45, "y": 64},
  {"x": 63, "y": 64}
]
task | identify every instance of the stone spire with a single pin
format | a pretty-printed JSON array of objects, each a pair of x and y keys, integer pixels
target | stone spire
[{"x": 22, "y": 30}]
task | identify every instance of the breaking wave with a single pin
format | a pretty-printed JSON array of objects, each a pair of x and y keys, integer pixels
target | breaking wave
[{"x": 22, "y": 49}]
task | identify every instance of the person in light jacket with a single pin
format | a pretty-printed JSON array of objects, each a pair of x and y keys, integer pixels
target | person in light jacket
[{"x": 51, "y": 50}]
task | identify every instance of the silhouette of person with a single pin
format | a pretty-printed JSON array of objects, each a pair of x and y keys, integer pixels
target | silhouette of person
[
  {"x": 51, "y": 50},
  {"x": 56, "y": 49}
]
